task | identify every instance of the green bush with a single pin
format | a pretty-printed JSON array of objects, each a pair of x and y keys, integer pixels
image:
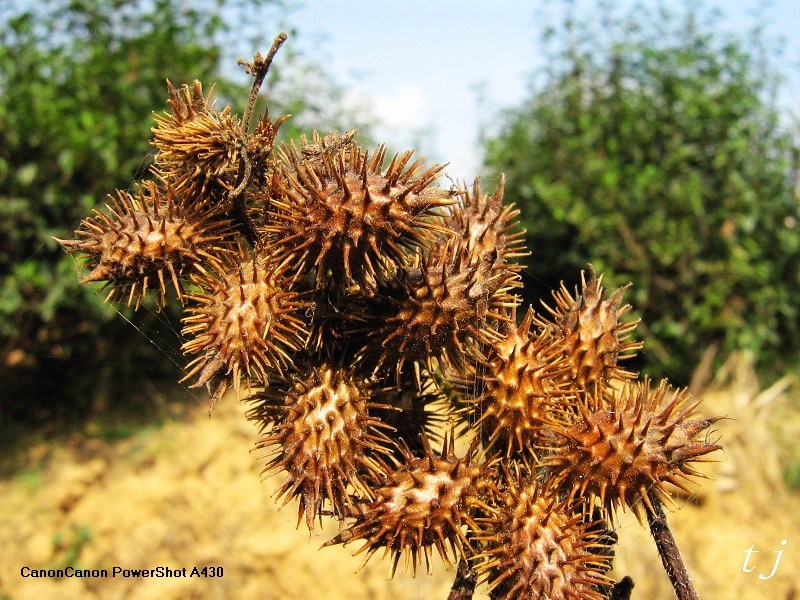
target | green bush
[
  {"x": 79, "y": 83},
  {"x": 656, "y": 152}
]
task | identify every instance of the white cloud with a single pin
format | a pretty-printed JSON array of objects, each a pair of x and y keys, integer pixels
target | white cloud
[{"x": 402, "y": 109}]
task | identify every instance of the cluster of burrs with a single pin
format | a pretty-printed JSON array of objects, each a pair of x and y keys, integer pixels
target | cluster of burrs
[{"x": 369, "y": 317}]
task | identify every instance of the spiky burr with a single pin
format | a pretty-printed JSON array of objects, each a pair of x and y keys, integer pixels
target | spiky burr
[
  {"x": 243, "y": 320},
  {"x": 536, "y": 546},
  {"x": 644, "y": 439},
  {"x": 145, "y": 240},
  {"x": 524, "y": 389},
  {"x": 487, "y": 225},
  {"x": 351, "y": 222},
  {"x": 592, "y": 333},
  {"x": 199, "y": 148},
  {"x": 325, "y": 437},
  {"x": 441, "y": 309},
  {"x": 423, "y": 503}
]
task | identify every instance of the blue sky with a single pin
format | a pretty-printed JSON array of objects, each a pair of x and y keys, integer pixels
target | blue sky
[{"x": 419, "y": 63}]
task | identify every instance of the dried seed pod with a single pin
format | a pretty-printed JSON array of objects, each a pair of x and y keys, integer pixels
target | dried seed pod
[
  {"x": 426, "y": 502},
  {"x": 199, "y": 149},
  {"x": 591, "y": 332},
  {"x": 644, "y": 439},
  {"x": 487, "y": 226},
  {"x": 524, "y": 390},
  {"x": 144, "y": 240},
  {"x": 326, "y": 439},
  {"x": 350, "y": 221},
  {"x": 260, "y": 146},
  {"x": 537, "y": 547},
  {"x": 444, "y": 307},
  {"x": 244, "y": 320}
]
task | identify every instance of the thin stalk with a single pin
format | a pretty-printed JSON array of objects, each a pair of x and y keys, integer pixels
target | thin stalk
[
  {"x": 258, "y": 69},
  {"x": 668, "y": 550},
  {"x": 464, "y": 584},
  {"x": 239, "y": 210}
]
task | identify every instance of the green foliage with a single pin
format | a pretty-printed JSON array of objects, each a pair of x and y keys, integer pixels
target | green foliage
[
  {"x": 658, "y": 155},
  {"x": 79, "y": 81},
  {"x": 791, "y": 475}
]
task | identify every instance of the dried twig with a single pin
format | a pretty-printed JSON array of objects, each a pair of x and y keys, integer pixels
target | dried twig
[
  {"x": 258, "y": 69},
  {"x": 668, "y": 550},
  {"x": 464, "y": 584}
]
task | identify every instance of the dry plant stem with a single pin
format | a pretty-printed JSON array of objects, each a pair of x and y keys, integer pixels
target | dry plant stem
[
  {"x": 669, "y": 552},
  {"x": 258, "y": 69},
  {"x": 239, "y": 210},
  {"x": 464, "y": 584}
]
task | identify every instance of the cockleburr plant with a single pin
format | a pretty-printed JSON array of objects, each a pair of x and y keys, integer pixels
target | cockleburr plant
[
  {"x": 624, "y": 452},
  {"x": 537, "y": 545},
  {"x": 243, "y": 319},
  {"x": 146, "y": 241},
  {"x": 369, "y": 317},
  {"x": 323, "y": 438}
]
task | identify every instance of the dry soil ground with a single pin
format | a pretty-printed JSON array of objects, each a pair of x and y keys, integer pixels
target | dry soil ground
[{"x": 189, "y": 494}]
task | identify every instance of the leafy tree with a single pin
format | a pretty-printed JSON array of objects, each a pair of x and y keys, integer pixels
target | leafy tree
[
  {"x": 654, "y": 149},
  {"x": 79, "y": 81}
]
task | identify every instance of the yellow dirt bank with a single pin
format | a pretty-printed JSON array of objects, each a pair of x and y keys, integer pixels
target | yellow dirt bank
[{"x": 188, "y": 495}]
